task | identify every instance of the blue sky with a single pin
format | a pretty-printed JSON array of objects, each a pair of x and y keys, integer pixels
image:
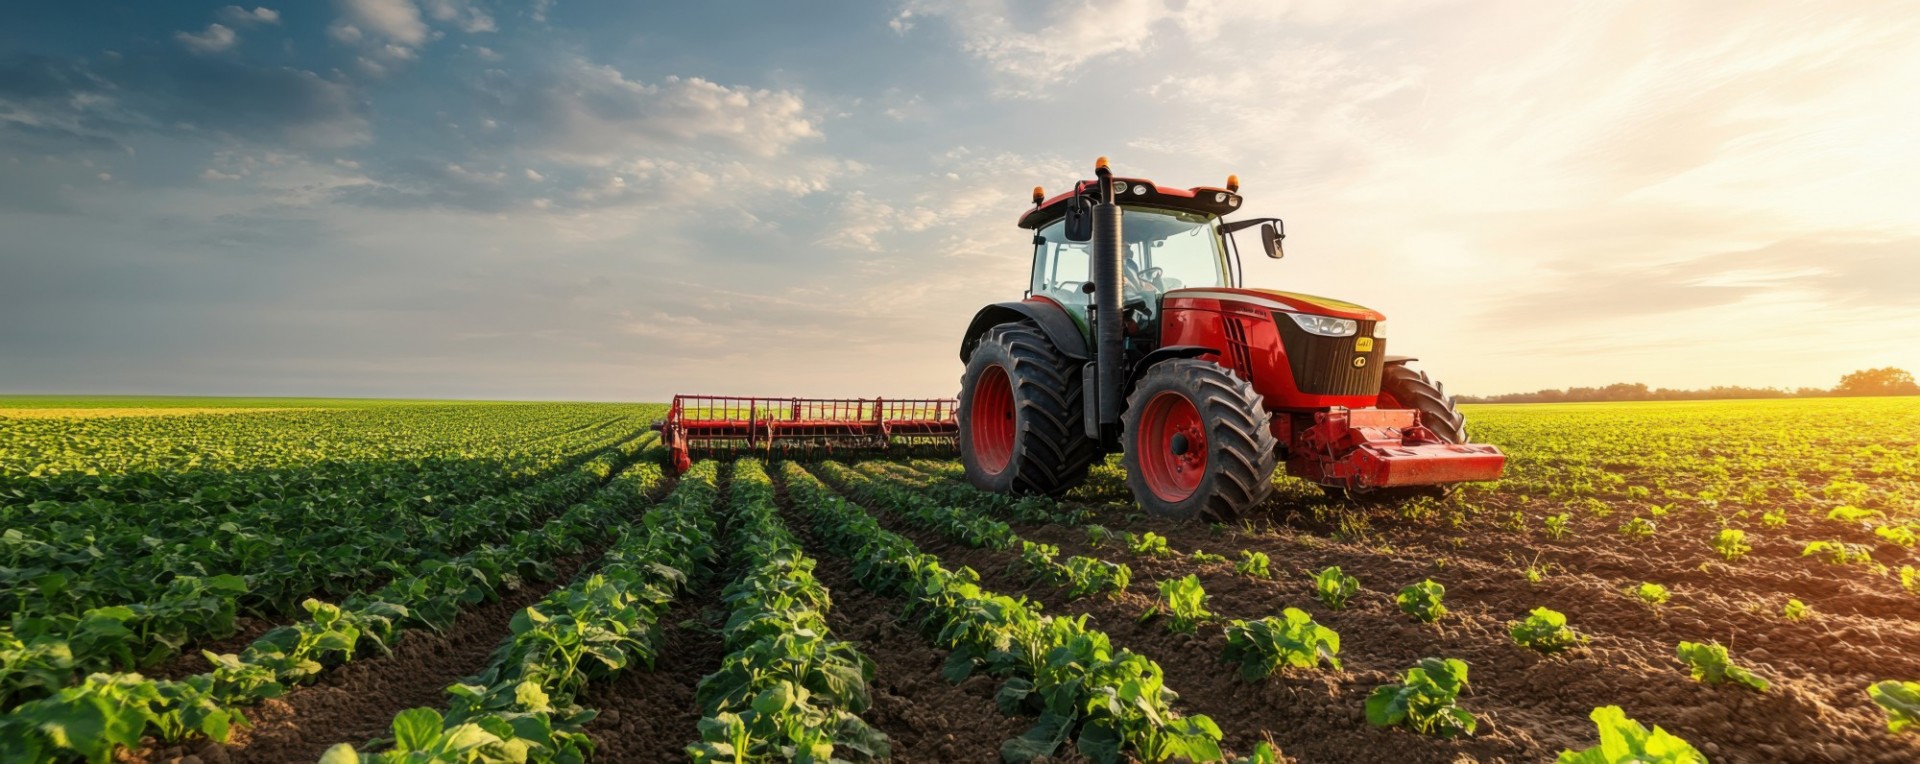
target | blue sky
[{"x": 605, "y": 200}]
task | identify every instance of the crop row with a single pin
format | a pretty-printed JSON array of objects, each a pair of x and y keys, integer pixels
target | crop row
[
  {"x": 1105, "y": 701},
  {"x": 524, "y": 706},
  {"x": 1425, "y": 699},
  {"x": 46, "y": 642},
  {"x": 786, "y": 688},
  {"x": 1081, "y": 575},
  {"x": 118, "y": 708},
  {"x": 285, "y": 547}
]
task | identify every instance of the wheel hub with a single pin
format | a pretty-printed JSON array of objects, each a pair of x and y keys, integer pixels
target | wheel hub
[{"x": 1172, "y": 446}]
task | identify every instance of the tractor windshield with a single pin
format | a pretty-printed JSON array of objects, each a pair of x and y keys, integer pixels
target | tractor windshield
[{"x": 1170, "y": 249}]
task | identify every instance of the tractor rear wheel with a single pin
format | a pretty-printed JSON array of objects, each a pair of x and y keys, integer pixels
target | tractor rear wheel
[
  {"x": 1402, "y": 387},
  {"x": 1197, "y": 442},
  {"x": 1022, "y": 428}
]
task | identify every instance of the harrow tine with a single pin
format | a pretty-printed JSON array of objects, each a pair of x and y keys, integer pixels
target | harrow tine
[{"x": 716, "y": 425}]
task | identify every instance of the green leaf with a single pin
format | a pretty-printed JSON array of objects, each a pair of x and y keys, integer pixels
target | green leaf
[
  {"x": 1901, "y": 702},
  {"x": 415, "y": 729},
  {"x": 340, "y": 753}
]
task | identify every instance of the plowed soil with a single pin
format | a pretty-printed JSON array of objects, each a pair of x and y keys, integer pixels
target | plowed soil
[
  {"x": 356, "y": 702},
  {"x": 1530, "y": 706},
  {"x": 649, "y": 715},
  {"x": 927, "y": 718}
]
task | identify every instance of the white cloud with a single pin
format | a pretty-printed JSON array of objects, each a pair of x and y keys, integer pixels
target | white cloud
[
  {"x": 594, "y": 115},
  {"x": 396, "y": 20},
  {"x": 237, "y": 15},
  {"x": 216, "y": 38},
  {"x": 464, "y": 13}
]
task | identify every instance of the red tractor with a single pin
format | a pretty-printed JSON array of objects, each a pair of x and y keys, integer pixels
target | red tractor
[{"x": 1137, "y": 336}]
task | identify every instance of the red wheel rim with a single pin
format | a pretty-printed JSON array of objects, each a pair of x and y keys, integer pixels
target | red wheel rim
[
  {"x": 1172, "y": 445},
  {"x": 992, "y": 420}
]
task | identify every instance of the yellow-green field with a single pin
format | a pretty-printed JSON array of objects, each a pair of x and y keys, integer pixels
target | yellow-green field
[{"x": 1738, "y": 573}]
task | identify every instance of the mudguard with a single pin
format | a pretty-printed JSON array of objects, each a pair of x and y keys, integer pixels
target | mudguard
[
  {"x": 1052, "y": 319},
  {"x": 1167, "y": 353}
]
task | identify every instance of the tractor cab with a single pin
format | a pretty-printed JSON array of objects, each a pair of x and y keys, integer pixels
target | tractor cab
[{"x": 1162, "y": 250}]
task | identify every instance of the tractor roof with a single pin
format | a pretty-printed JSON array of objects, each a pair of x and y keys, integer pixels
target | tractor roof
[{"x": 1207, "y": 200}]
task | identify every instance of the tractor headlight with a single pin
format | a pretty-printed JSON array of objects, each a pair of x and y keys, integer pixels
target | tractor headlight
[
  {"x": 1380, "y": 330},
  {"x": 1326, "y": 326}
]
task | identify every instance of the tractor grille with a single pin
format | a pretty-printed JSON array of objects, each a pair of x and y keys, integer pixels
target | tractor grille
[{"x": 1324, "y": 365}]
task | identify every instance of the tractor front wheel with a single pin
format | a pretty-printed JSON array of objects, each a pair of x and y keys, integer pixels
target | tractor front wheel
[
  {"x": 1197, "y": 442},
  {"x": 1022, "y": 429}
]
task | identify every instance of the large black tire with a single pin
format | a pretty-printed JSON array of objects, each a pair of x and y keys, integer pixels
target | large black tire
[
  {"x": 1229, "y": 473},
  {"x": 1407, "y": 388},
  {"x": 1404, "y": 387},
  {"x": 1039, "y": 423}
]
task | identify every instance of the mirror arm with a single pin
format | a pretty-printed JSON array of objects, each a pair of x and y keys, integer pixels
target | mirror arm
[{"x": 1241, "y": 225}]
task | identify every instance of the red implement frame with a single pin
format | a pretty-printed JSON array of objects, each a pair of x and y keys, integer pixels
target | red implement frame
[
  {"x": 1383, "y": 448},
  {"x": 715, "y": 424}
]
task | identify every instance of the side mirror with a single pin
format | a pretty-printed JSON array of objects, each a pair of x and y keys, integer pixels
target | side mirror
[
  {"x": 1270, "y": 238},
  {"x": 1078, "y": 223}
]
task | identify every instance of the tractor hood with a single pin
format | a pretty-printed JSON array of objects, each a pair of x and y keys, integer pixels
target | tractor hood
[{"x": 1274, "y": 299}]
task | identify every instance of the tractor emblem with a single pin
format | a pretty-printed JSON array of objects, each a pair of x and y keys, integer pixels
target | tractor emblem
[{"x": 1360, "y": 362}]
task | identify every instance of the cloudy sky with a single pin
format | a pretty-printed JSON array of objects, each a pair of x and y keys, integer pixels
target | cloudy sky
[{"x": 613, "y": 200}]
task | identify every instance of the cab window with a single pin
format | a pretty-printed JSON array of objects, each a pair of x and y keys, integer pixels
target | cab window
[{"x": 1060, "y": 267}]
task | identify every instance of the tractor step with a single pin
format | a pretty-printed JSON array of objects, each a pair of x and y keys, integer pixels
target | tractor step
[
  {"x": 706, "y": 425},
  {"x": 1387, "y": 448}
]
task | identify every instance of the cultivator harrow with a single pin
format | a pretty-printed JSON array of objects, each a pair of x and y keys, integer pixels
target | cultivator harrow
[{"x": 713, "y": 425}]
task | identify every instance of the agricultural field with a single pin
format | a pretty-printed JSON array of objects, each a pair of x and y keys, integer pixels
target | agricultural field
[{"x": 415, "y": 581}]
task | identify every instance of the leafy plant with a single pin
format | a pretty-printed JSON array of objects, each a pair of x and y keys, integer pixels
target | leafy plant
[
  {"x": 1625, "y": 741},
  {"x": 1901, "y": 702},
  {"x": 1262, "y": 647},
  {"x": 1425, "y": 700},
  {"x": 1089, "y": 575},
  {"x": 1637, "y": 528},
  {"x": 1098, "y": 535},
  {"x": 1038, "y": 559},
  {"x": 1796, "y": 611},
  {"x": 1253, "y": 564},
  {"x": 1731, "y": 544},
  {"x": 1899, "y": 535},
  {"x": 1544, "y": 630},
  {"x": 1557, "y": 525},
  {"x": 1851, "y": 514},
  {"x": 1148, "y": 544},
  {"x": 1910, "y": 579},
  {"x": 1335, "y": 588},
  {"x": 1708, "y": 663},
  {"x": 1204, "y": 557},
  {"x": 1651, "y": 594},
  {"x": 1422, "y": 601},
  {"x": 1837, "y": 552},
  {"x": 1184, "y": 602}
]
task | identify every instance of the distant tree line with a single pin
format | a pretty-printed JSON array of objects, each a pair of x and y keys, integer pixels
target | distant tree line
[{"x": 1886, "y": 381}]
